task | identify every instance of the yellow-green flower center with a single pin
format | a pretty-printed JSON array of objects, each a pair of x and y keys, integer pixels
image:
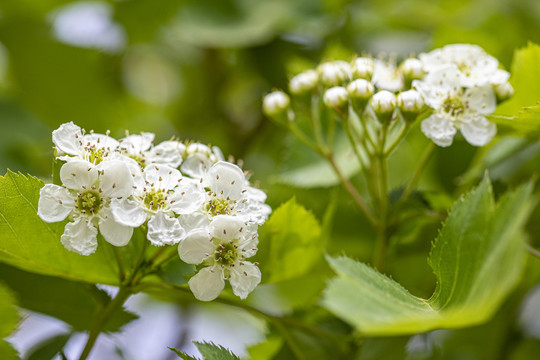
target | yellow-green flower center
[
  {"x": 454, "y": 106},
  {"x": 89, "y": 202},
  {"x": 96, "y": 155},
  {"x": 464, "y": 68},
  {"x": 153, "y": 200},
  {"x": 219, "y": 206},
  {"x": 226, "y": 254}
]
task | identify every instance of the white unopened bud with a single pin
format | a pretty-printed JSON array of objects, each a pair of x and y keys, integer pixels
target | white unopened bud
[
  {"x": 334, "y": 73},
  {"x": 412, "y": 69},
  {"x": 336, "y": 96},
  {"x": 410, "y": 103},
  {"x": 383, "y": 103},
  {"x": 360, "y": 89},
  {"x": 362, "y": 68},
  {"x": 503, "y": 91},
  {"x": 276, "y": 103},
  {"x": 304, "y": 82}
]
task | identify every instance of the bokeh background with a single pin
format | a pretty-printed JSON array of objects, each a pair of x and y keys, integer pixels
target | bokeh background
[{"x": 198, "y": 70}]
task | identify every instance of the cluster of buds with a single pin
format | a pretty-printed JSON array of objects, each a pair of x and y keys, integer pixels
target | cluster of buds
[
  {"x": 431, "y": 83},
  {"x": 179, "y": 193}
]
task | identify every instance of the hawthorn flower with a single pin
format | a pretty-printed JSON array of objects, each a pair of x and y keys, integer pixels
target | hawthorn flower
[
  {"x": 456, "y": 108},
  {"x": 334, "y": 73},
  {"x": 72, "y": 144},
  {"x": 84, "y": 198},
  {"x": 477, "y": 68},
  {"x": 336, "y": 96},
  {"x": 139, "y": 147},
  {"x": 198, "y": 158},
  {"x": 276, "y": 103},
  {"x": 162, "y": 194},
  {"x": 387, "y": 77},
  {"x": 222, "y": 250},
  {"x": 383, "y": 103},
  {"x": 304, "y": 82},
  {"x": 362, "y": 68}
]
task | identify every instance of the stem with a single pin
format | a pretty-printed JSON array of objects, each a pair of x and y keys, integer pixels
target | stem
[
  {"x": 121, "y": 268},
  {"x": 397, "y": 140},
  {"x": 381, "y": 243},
  {"x": 532, "y": 251},
  {"x": 316, "y": 121},
  {"x": 352, "y": 190},
  {"x": 347, "y": 128},
  {"x": 302, "y": 137},
  {"x": 421, "y": 165},
  {"x": 101, "y": 320}
]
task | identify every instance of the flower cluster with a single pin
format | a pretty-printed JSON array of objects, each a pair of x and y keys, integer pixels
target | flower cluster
[
  {"x": 460, "y": 84},
  {"x": 179, "y": 193}
]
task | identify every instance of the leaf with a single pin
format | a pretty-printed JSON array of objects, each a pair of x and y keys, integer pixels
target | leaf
[
  {"x": 33, "y": 245},
  {"x": 477, "y": 260},
  {"x": 72, "y": 302},
  {"x": 48, "y": 348},
  {"x": 210, "y": 351},
  {"x": 526, "y": 123},
  {"x": 181, "y": 354},
  {"x": 290, "y": 243},
  {"x": 8, "y": 321}
]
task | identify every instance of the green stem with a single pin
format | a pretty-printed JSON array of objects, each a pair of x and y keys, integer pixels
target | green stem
[
  {"x": 381, "y": 243},
  {"x": 102, "y": 318},
  {"x": 419, "y": 169},
  {"x": 316, "y": 121},
  {"x": 302, "y": 137},
  {"x": 397, "y": 140},
  {"x": 532, "y": 251}
]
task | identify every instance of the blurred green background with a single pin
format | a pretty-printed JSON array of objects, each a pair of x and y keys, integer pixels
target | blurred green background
[{"x": 198, "y": 70}]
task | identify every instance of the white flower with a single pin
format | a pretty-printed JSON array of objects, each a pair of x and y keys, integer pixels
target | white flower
[
  {"x": 476, "y": 66},
  {"x": 222, "y": 249},
  {"x": 410, "y": 101},
  {"x": 456, "y": 108},
  {"x": 363, "y": 68},
  {"x": 503, "y": 91},
  {"x": 139, "y": 148},
  {"x": 336, "y": 96},
  {"x": 387, "y": 77},
  {"x": 334, "y": 73},
  {"x": 162, "y": 194},
  {"x": 72, "y": 144},
  {"x": 383, "y": 103},
  {"x": 360, "y": 89},
  {"x": 85, "y": 198},
  {"x": 304, "y": 82},
  {"x": 199, "y": 158},
  {"x": 276, "y": 103},
  {"x": 412, "y": 68}
]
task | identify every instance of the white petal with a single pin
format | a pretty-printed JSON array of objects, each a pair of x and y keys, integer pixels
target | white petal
[
  {"x": 100, "y": 141},
  {"x": 115, "y": 179},
  {"x": 164, "y": 230},
  {"x": 226, "y": 228},
  {"x": 55, "y": 203},
  {"x": 136, "y": 144},
  {"x": 128, "y": 212},
  {"x": 115, "y": 233},
  {"x": 481, "y": 99},
  {"x": 196, "y": 165},
  {"x": 196, "y": 247},
  {"x": 167, "y": 153},
  {"x": 478, "y": 131},
  {"x": 194, "y": 221},
  {"x": 207, "y": 284},
  {"x": 226, "y": 179},
  {"x": 244, "y": 278},
  {"x": 80, "y": 237},
  {"x": 162, "y": 176},
  {"x": 78, "y": 174},
  {"x": 192, "y": 199},
  {"x": 67, "y": 137},
  {"x": 439, "y": 129}
]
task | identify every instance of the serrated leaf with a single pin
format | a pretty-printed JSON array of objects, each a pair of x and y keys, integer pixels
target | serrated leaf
[
  {"x": 290, "y": 243},
  {"x": 477, "y": 260},
  {"x": 526, "y": 123},
  {"x": 8, "y": 321},
  {"x": 33, "y": 245},
  {"x": 210, "y": 351},
  {"x": 181, "y": 354},
  {"x": 72, "y": 302}
]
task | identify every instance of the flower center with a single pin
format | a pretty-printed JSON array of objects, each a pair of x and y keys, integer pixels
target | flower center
[
  {"x": 219, "y": 206},
  {"x": 96, "y": 155},
  {"x": 454, "y": 106},
  {"x": 139, "y": 158},
  {"x": 226, "y": 254},
  {"x": 464, "y": 68},
  {"x": 155, "y": 199},
  {"x": 89, "y": 202}
]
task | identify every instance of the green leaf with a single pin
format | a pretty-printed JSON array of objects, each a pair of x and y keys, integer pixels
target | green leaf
[
  {"x": 33, "y": 245},
  {"x": 75, "y": 303},
  {"x": 290, "y": 243},
  {"x": 48, "y": 348},
  {"x": 211, "y": 351},
  {"x": 181, "y": 354},
  {"x": 8, "y": 321},
  {"x": 477, "y": 260}
]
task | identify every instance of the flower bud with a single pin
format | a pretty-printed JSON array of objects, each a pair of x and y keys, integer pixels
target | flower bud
[
  {"x": 383, "y": 103},
  {"x": 304, "y": 82},
  {"x": 412, "y": 69},
  {"x": 360, "y": 90},
  {"x": 410, "y": 103},
  {"x": 363, "y": 67},
  {"x": 336, "y": 96},
  {"x": 276, "y": 103},
  {"x": 503, "y": 91},
  {"x": 334, "y": 73}
]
